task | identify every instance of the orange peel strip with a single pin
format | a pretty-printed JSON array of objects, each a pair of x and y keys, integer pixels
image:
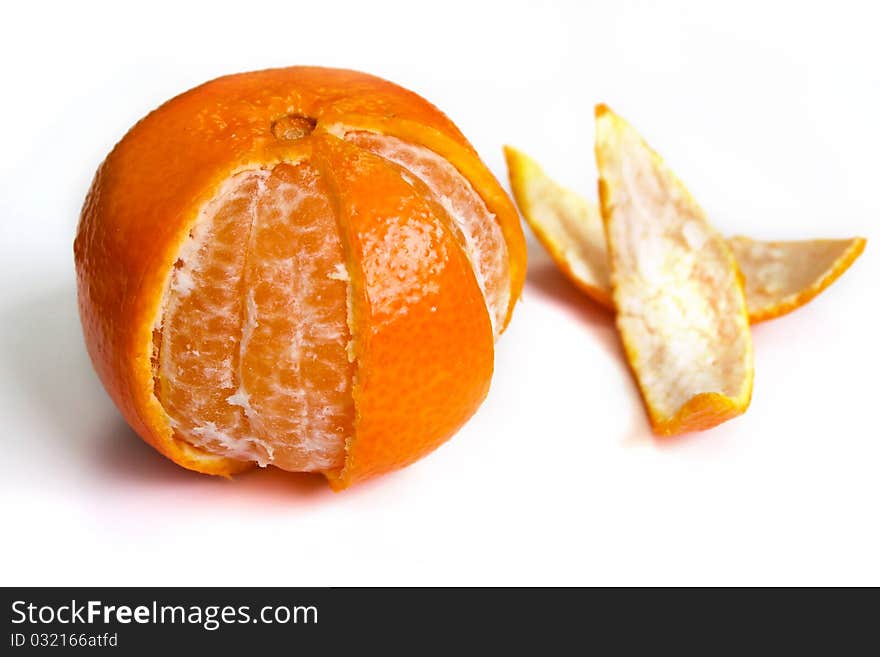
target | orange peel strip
[
  {"x": 681, "y": 309},
  {"x": 781, "y": 276},
  {"x": 568, "y": 226}
]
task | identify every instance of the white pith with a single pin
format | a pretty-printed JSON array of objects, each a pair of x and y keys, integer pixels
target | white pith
[
  {"x": 777, "y": 273},
  {"x": 680, "y": 308}
]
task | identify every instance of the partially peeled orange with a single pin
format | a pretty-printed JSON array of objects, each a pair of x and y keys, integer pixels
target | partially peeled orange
[{"x": 681, "y": 308}]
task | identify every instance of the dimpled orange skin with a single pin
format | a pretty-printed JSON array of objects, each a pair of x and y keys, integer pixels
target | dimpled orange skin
[{"x": 418, "y": 378}]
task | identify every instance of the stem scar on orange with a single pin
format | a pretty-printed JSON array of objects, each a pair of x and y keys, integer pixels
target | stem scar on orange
[{"x": 302, "y": 267}]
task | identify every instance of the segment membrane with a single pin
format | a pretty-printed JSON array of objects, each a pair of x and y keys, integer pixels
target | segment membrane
[
  {"x": 780, "y": 276},
  {"x": 252, "y": 357},
  {"x": 295, "y": 374},
  {"x": 201, "y": 326}
]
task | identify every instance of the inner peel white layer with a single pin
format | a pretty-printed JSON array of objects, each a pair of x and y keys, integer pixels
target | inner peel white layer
[
  {"x": 304, "y": 403},
  {"x": 224, "y": 434},
  {"x": 680, "y": 308}
]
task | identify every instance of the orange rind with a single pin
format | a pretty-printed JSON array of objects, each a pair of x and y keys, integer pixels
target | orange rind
[
  {"x": 681, "y": 309},
  {"x": 780, "y": 276},
  {"x": 784, "y": 275},
  {"x": 568, "y": 226}
]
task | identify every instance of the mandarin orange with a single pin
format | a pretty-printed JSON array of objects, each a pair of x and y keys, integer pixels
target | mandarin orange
[{"x": 299, "y": 267}]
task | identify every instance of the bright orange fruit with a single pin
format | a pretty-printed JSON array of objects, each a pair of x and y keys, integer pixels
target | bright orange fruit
[{"x": 301, "y": 267}]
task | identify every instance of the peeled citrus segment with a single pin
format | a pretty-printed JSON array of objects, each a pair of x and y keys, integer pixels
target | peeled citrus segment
[
  {"x": 780, "y": 276},
  {"x": 253, "y": 363},
  {"x": 566, "y": 224},
  {"x": 295, "y": 374},
  {"x": 196, "y": 359},
  {"x": 482, "y": 234},
  {"x": 681, "y": 311}
]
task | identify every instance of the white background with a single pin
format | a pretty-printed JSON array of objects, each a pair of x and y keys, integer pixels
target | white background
[{"x": 769, "y": 111}]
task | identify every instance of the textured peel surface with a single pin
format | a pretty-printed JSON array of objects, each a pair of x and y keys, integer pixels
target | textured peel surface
[
  {"x": 418, "y": 315},
  {"x": 681, "y": 311},
  {"x": 484, "y": 241},
  {"x": 780, "y": 276},
  {"x": 196, "y": 357}
]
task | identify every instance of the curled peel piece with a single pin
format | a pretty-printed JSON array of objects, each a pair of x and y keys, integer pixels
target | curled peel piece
[
  {"x": 783, "y": 276},
  {"x": 681, "y": 310},
  {"x": 567, "y": 225},
  {"x": 780, "y": 276}
]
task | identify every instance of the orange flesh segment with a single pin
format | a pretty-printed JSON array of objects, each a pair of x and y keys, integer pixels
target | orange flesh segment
[
  {"x": 681, "y": 311},
  {"x": 483, "y": 238},
  {"x": 417, "y": 314},
  {"x": 780, "y": 276},
  {"x": 253, "y": 362},
  {"x": 295, "y": 374}
]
